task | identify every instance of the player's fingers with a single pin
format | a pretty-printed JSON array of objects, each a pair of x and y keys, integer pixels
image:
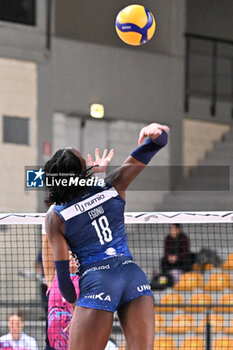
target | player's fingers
[
  {"x": 141, "y": 136},
  {"x": 158, "y": 132},
  {"x": 154, "y": 130},
  {"x": 164, "y": 127},
  {"x": 89, "y": 160},
  {"x": 110, "y": 155},
  {"x": 105, "y": 152},
  {"x": 97, "y": 153}
]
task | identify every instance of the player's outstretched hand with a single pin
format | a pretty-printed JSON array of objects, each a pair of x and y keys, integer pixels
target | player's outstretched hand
[
  {"x": 153, "y": 131},
  {"x": 102, "y": 162}
]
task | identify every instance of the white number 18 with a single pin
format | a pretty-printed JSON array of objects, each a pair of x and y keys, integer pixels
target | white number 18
[{"x": 102, "y": 229}]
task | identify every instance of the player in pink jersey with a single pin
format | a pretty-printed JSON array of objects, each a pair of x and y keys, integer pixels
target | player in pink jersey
[{"x": 60, "y": 313}]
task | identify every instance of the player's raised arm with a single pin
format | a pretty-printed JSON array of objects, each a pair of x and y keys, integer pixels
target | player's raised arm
[{"x": 140, "y": 157}]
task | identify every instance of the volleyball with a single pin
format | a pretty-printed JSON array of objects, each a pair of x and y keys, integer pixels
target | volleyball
[{"x": 135, "y": 25}]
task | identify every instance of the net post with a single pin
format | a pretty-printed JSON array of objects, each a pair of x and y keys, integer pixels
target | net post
[{"x": 208, "y": 329}]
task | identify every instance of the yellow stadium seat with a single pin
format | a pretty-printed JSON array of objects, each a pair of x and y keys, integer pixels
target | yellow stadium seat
[
  {"x": 223, "y": 343},
  {"x": 171, "y": 298},
  {"x": 189, "y": 282},
  {"x": 225, "y": 299},
  {"x": 198, "y": 299},
  {"x": 193, "y": 343},
  {"x": 196, "y": 267},
  {"x": 164, "y": 343},
  {"x": 181, "y": 324},
  {"x": 229, "y": 329},
  {"x": 122, "y": 346},
  {"x": 205, "y": 267},
  {"x": 216, "y": 321},
  {"x": 228, "y": 264},
  {"x": 160, "y": 323},
  {"x": 218, "y": 282}
]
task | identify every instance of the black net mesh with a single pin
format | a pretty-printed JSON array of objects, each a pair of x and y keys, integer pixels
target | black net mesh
[{"x": 193, "y": 292}]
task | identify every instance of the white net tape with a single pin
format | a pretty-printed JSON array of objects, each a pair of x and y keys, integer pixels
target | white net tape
[{"x": 132, "y": 217}]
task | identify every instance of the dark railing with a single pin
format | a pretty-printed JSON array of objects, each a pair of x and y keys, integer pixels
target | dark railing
[
  {"x": 214, "y": 55},
  {"x": 48, "y": 24}
]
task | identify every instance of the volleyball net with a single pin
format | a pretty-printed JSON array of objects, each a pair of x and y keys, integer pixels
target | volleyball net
[{"x": 193, "y": 292}]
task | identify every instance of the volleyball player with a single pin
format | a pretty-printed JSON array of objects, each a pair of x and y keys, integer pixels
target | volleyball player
[
  {"x": 59, "y": 310},
  {"x": 91, "y": 222}
]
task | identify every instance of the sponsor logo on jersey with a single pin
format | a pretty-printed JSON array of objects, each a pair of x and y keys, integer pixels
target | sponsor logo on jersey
[
  {"x": 88, "y": 204},
  {"x": 110, "y": 251},
  {"x": 97, "y": 268},
  {"x": 101, "y": 296},
  {"x": 82, "y": 206},
  {"x": 144, "y": 287}
]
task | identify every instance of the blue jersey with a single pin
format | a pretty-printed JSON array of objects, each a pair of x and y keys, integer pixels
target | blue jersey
[{"x": 94, "y": 225}]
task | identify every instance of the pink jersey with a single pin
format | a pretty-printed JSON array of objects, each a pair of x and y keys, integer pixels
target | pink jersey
[{"x": 59, "y": 315}]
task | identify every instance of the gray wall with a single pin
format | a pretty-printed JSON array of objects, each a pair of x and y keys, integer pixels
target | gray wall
[
  {"x": 133, "y": 83},
  {"x": 210, "y": 17},
  {"x": 94, "y": 21},
  {"x": 139, "y": 83},
  {"x": 25, "y": 42}
]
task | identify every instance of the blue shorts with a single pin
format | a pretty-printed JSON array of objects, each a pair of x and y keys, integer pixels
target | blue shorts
[{"x": 111, "y": 283}]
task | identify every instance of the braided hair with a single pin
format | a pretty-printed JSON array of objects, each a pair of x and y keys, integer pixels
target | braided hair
[{"x": 63, "y": 165}]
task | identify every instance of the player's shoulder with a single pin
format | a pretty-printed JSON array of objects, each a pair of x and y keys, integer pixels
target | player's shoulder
[
  {"x": 53, "y": 214},
  {"x": 50, "y": 212}
]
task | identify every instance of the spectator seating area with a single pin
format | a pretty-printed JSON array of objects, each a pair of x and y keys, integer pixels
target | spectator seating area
[{"x": 181, "y": 312}]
